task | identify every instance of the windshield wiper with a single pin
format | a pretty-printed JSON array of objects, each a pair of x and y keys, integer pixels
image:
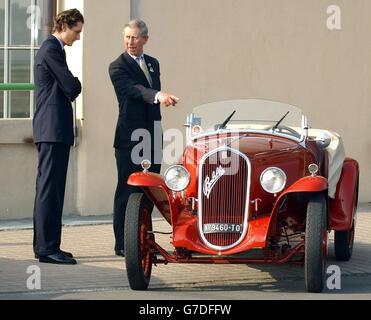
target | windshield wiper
[
  {"x": 279, "y": 121},
  {"x": 223, "y": 125}
]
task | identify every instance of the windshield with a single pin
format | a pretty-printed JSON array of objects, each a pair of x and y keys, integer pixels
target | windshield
[{"x": 247, "y": 115}]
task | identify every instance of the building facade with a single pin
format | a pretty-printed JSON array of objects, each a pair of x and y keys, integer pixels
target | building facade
[{"x": 316, "y": 56}]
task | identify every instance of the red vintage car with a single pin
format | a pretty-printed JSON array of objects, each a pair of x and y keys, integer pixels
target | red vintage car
[{"x": 252, "y": 176}]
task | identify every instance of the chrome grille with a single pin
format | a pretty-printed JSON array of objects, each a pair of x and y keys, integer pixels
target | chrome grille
[{"x": 224, "y": 183}]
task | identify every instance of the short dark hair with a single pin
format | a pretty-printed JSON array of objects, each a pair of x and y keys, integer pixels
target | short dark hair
[{"x": 71, "y": 17}]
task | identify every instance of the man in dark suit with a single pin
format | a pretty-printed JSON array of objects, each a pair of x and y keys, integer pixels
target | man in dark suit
[
  {"x": 55, "y": 89},
  {"x": 136, "y": 80}
]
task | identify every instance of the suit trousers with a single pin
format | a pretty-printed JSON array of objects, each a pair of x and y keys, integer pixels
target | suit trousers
[
  {"x": 125, "y": 167},
  {"x": 50, "y": 190}
]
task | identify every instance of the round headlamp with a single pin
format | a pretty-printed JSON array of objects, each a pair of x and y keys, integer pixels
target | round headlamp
[
  {"x": 177, "y": 178},
  {"x": 273, "y": 180}
]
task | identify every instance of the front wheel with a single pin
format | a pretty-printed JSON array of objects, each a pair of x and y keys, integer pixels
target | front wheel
[
  {"x": 138, "y": 239},
  {"x": 315, "y": 243}
]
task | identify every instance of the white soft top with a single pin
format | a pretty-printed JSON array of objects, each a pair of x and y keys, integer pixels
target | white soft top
[{"x": 336, "y": 156}]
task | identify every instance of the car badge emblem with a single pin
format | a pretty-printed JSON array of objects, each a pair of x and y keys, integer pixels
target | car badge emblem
[{"x": 210, "y": 183}]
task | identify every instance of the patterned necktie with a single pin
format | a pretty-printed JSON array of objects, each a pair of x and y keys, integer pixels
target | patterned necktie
[{"x": 144, "y": 68}]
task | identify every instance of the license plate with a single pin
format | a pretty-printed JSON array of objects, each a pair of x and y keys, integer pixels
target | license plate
[{"x": 222, "y": 228}]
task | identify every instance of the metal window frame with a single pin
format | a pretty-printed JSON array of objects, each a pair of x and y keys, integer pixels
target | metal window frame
[
  {"x": 6, "y": 54},
  {"x": 32, "y": 48}
]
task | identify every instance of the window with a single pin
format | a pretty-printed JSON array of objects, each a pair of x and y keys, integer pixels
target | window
[{"x": 24, "y": 25}]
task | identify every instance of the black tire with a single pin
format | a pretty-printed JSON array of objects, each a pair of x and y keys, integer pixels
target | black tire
[
  {"x": 137, "y": 240},
  {"x": 315, "y": 233},
  {"x": 344, "y": 240},
  {"x": 344, "y": 244}
]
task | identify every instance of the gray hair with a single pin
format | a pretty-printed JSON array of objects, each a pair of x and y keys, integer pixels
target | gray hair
[{"x": 137, "y": 23}]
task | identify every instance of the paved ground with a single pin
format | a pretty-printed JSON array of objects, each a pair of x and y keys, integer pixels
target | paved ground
[{"x": 99, "y": 271}]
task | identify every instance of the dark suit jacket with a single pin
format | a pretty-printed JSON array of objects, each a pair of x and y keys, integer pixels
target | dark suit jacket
[
  {"x": 135, "y": 97},
  {"x": 55, "y": 88}
]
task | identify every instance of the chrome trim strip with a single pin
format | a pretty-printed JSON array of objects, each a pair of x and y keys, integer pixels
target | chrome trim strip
[{"x": 245, "y": 221}]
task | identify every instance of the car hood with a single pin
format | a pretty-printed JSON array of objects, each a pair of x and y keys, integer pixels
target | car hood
[
  {"x": 260, "y": 146},
  {"x": 254, "y": 146}
]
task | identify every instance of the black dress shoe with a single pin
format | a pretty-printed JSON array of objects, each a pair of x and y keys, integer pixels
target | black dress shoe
[
  {"x": 57, "y": 258},
  {"x": 67, "y": 254},
  {"x": 120, "y": 252}
]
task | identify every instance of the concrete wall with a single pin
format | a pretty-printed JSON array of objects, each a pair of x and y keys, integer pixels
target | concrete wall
[
  {"x": 209, "y": 50},
  {"x": 103, "y": 42},
  {"x": 18, "y": 159}
]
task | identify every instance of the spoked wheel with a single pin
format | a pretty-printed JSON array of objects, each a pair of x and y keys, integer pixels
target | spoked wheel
[
  {"x": 315, "y": 243},
  {"x": 138, "y": 240}
]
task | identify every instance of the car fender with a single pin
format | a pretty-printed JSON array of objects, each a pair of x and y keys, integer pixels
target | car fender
[
  {"x": 155, "y": 188},
  {"x": 306, "y": 184},
  {"x": 343, "y": 207}
]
